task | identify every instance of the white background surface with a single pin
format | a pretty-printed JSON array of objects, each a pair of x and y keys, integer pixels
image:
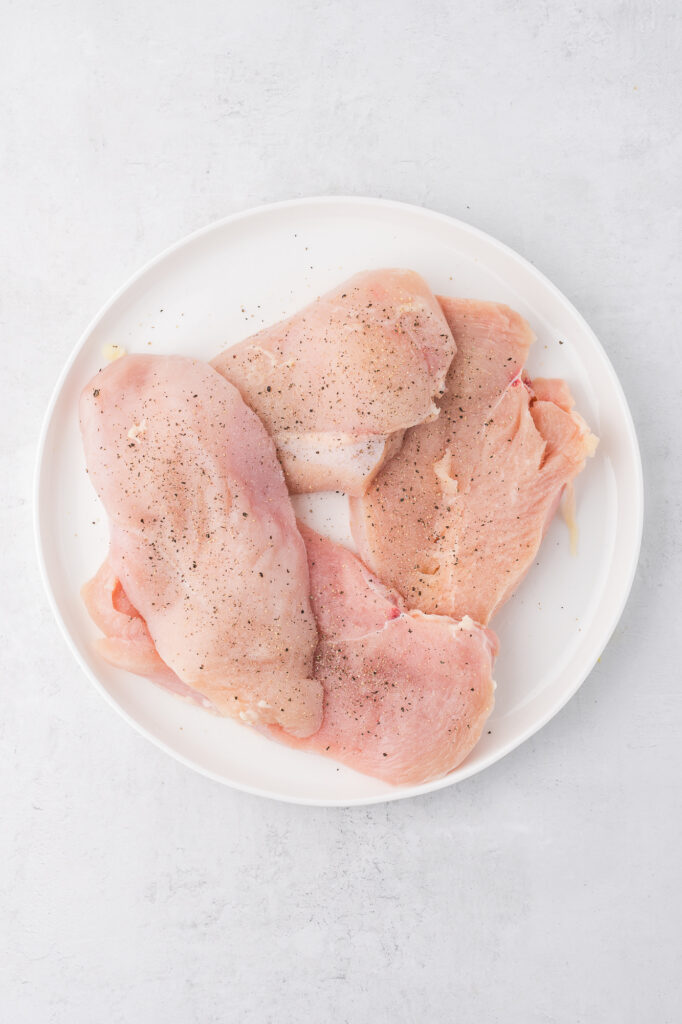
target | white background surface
[{"x": 545, "y": 890}]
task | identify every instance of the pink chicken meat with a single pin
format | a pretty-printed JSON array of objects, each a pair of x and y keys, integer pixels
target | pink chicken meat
[
  {"x": 338, "y": 383},
  {"x": 203, "y": 540},
  {"x": 406, "y": 694},
  {"x": 127, "y": 642},
  {"x": 455, "y": 519}
]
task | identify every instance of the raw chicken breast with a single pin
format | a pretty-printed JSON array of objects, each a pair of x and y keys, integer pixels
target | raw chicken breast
[
  {"x": 406, "y": 694},
  {"x": 203, "y": 540},
  {"x": 455, "y": 520},
  {"x": 127, "y": 642},
  {"x": 338, "y": 383}
]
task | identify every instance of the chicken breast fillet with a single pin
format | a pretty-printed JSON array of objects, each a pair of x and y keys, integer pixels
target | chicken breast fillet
[
  {"x": 338, "y": 383},
  {"x": 127, "y": 642},
  {"x": 406, "y": 694},
  {"x": 203, "y": 540},
  {"x": 455, "y": 519}
]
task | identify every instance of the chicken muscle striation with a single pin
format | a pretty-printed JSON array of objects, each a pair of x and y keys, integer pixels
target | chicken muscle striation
[{"x": 455, "y": 519}]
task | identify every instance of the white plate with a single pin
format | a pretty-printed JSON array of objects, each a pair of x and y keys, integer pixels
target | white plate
[{"x": 223, "y": 283}]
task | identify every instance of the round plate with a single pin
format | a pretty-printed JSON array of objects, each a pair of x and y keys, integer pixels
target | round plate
[{"x": 225, "y": 282}]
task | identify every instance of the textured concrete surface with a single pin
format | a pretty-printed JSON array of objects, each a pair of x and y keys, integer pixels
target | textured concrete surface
[{"x": 545, "y": 891}]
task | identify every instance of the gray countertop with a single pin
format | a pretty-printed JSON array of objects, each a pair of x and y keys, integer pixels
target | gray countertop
[{"x": 545, "y": 890}]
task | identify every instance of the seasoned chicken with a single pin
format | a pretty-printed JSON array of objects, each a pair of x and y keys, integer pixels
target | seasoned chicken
[
  {"x": 338, "y": 383},
  {"x": 127, "y": 643},
  {"x": 406, "y": 694},
  {"x": 455, "y": 519},
  {"x": 203, "y": 541}
]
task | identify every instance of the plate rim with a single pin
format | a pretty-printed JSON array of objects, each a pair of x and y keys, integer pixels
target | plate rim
[{"x": 463, "y": 773}]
